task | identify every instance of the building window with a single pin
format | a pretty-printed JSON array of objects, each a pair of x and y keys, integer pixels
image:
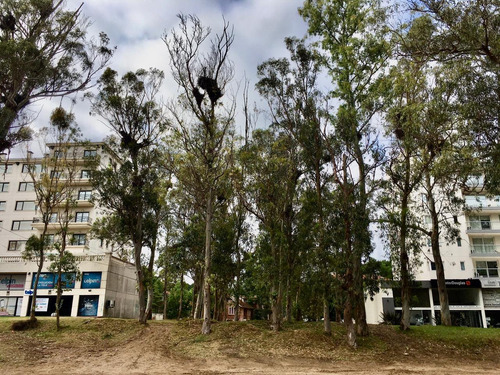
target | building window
[
  {"x": 55, "y": 174},
  {"x": 79, "y": 239},
  {"x": 89, "y": 153},
  {"x": 3, "y": 204},
  {"x": 231, "y": 310},
  {"x": 21, "y": 225},
  {"x": 58, "y": 154},
  {"x": 85, "y": 173},
  {"x": 462, "y": 266},
  {"x": 16, "y": 245},
  {"x": 429, "y": 242},
  {"x": 487, "y": 268},
  {"x": 25, "y": 206},
  {"x": 84, "y": 195},
  {"x": 4, "y": 187},
  {"x": 53, "y": 218},
  {"x": 82, "y": 217},
  {"x": 459, "y": 242},
  {"x": 26, "y": 186},
  {"x": 5, "y": 168},
  {"x": 479, "y": 222},
  {"x": 27, "y": 168},
  {"x": 49, "y": 239},
  {"x": 483, "y": 245},
  {"x": 433, "y": 266}
]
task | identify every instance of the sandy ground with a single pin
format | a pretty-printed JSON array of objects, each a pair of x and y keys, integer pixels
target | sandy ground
[{"x": 139, "y": 356}]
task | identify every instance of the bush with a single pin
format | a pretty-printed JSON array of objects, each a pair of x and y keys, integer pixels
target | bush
[{"x": 23, "y": 325}]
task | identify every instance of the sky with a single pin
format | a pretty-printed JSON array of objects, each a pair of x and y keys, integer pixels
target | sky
[{"x": 135, "y": 27}]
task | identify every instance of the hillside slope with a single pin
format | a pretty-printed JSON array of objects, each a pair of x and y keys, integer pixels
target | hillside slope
[{"x": 114, "y": 346}]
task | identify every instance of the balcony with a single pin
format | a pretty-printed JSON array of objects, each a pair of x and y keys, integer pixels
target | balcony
[
  {"x": 483, "y": 227},
  {"x": 484, "y": 250},
  {"x": 79, "y": 223}
]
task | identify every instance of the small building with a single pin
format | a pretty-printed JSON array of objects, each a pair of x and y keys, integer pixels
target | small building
[{"x": 245, "y": 310}]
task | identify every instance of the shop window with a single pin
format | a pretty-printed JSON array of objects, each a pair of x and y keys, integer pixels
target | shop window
[{"x": 88, "y": 305}]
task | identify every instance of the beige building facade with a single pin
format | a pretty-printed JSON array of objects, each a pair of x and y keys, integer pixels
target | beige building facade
[
  {"x": 471, "y": 269},
  {"x": 107, "y": 286}
]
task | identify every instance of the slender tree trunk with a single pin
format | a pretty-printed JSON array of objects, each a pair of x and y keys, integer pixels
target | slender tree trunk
[
  {"x": 348, "y": 314},
  {"x": 58, "y": 298},
  {"x": 361, "y": 324},
  {"x": 350, "y": 259},
  {"x": 404, "y": 264},
  {"x": 276, "y": 290},
  {"x": 288, "y": 300},
  {"x": 181, "y": 295},
  {"x": 41, "y": 259},
  {"x": 199, "y": 303},
  {"x": 206, "y": 327},
  {"x": 165, "y": 294},
  {"x": 436, "y": 253},
  {"x": 327, "y": 326}
]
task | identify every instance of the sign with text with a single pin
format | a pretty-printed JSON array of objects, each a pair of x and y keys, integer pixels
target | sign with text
[
  {"x": 12, "y": 281},
  {"x": 91, "y": 280},
  {"x": 41, "y": 304},
  {"x": 46, "y": 281},
  {"x": 468, "y": 283}
]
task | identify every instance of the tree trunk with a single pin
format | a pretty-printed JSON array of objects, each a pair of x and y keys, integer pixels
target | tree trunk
[
  {"x": 205, "y": 330},
  {"x": 349, "y": 325},
  {"x": 404, "y": 264},
  {"x": 199, "y": 303},
  {"x": 276, "y": 309},
  {"x": 179, "y": 313},
  {"x": 58, "y": 298},
  {"x": 165, "y": 294},
  {"x": 436, "y": 253},
  {"x": 327, "y": 325},
  {"x": 288, "y": 300}
]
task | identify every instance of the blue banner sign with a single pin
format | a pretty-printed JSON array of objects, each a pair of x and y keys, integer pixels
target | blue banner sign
[
  {"x": 46, "y": 281},
  {"x": 91, "y": 280}
]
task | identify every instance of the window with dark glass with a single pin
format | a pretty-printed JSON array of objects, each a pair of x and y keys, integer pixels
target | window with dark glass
[
  {"x": 79, "y": 239},
  {"x": 85, "y": 173},
  {"x": 89, "y": 153},
  {"x": 82, "y": 217},
  {"x": 84, "y": 195}
]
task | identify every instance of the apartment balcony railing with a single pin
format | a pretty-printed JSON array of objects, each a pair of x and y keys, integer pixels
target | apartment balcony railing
[
  {"x": 79, "y": 258},
  {"x": 483, "y": 225},
  {"x": 485, "y": 250}
]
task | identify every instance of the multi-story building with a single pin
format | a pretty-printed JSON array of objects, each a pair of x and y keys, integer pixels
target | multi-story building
[
  {"x": 471, "y": 270},
  {"x": 107, "y": 286}
]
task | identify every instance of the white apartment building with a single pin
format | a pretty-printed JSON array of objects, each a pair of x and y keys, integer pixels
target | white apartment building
[
  {"x": 107, "y": 286},
  {"x": 471, "y": 270}
]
